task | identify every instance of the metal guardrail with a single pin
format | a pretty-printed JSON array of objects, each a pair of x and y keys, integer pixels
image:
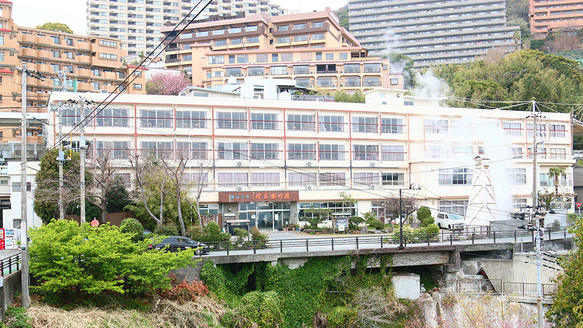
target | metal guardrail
[
  {"x": 10, "y": 264},
  {"x": 494, "y": 286},
  {"x": 467, "y": 237}
]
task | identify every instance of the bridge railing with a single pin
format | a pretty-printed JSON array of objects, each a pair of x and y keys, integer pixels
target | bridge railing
[
  {"x": 346, "y": 242},
  {"x": 494, "y": 286},
  {"x": 10, "y": 264}
]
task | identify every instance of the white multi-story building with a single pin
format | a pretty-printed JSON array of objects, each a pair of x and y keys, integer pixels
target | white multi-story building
[
  {"x": 269, "y": 160},
  {"x": 432, "y": 32},
  {"x": 138, "y": 22}
]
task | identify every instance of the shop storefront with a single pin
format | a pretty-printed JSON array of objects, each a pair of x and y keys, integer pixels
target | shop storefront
[{"x": 267, "y": 210}]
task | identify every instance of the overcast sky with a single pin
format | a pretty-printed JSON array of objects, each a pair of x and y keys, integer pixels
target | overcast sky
[{"x": 30, "y": 13}]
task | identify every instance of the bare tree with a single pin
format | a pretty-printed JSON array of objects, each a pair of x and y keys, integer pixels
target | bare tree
[
  {"x": 103, "y": 180},
  {"x": 176, "y": 175},
  {"x": 409, "y": 204},
  {"x": 200, "y": 183},
  {"x": 148, "y": 175}
]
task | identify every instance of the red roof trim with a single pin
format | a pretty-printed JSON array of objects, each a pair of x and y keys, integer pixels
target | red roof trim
[
  {"x": 4, "y": 29},
  {"x": 133, "y": 66},
  {"x": 6, "y": 71},
  {"x": 4, "y": 1}
]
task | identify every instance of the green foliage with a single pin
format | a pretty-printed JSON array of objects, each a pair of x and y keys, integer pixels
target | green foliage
[
  {"x": 133, "y": 227},
  {"x": 261, "y": 309},
  {"x": 241, "y": 234},
  {"x": 57, "y": 27},
  {"x": 71, "y": 261},
  {"x": 341, "y": 317},
  {"x": 118, "y": 197},
  {"x": 167, "y": 229},
  {"x": 342, "y": 14},
  {"x": 210, "y": 232},
  {"x": 378, "y": 225},
  {"x": 424, "y": 215},
  {"x": 342, "y": 96},
  {"x": 16, "y": 317},
  {"x": 257, "y": 235},
  {"x": 567, "y": 308},
  {"x": 370, "y": 216},
  {"x": 319, "y": 215},
  {"x": 356, "y": 220},
  {"x": 211, "y": 228},
  {"x": 537, "y": 44}
]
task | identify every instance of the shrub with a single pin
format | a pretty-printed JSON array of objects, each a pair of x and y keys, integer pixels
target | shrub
[
  {"x": 428, "y": 221},
  {"x": 432, "y": 229},
  {"x": 356, "y": 220},
  {"x": 370, "y": 217},
  {"x": 184, "y": 291},
  {"x": 241, "y": 234},
  {"x": 260, "y": 238},
  {"x": 211, "y": 228},
  {"x": 257, "y": 310},
  {"x": 341, "y": 317},
  {"x": 168, "y": 229},
  {"x": 378, "y": 225},
  {"x": 133, "y": 227},
  {"x": 16, "y": 317}
]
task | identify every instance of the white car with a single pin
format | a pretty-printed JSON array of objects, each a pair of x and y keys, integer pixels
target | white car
[{"x": 450, "y": 221}]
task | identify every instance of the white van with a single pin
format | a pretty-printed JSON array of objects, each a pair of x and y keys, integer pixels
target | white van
[{"x": 450, "y": 221}]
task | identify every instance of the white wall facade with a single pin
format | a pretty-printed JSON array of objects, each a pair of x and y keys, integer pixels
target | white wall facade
[{"x": 320, "y": 149}]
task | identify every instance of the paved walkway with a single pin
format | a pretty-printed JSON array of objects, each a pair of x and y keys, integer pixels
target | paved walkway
[{"x": 8, "y": 253}]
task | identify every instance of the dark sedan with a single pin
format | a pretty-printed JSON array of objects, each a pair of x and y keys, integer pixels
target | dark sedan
[{"x": 178, "y": 243}]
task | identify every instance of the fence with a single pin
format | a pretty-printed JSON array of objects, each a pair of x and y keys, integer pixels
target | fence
[
  {"x": 495, "y": 286},
  {"x": 381, "y": 241},
  {"x": 10, "y": 264}
]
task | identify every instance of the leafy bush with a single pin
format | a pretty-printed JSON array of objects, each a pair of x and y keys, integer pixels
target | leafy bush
[
  {"x": 241, "y": 234},
  {"x": 378, "y": 225},
  {"x": 370, "y": 217},
  {"x": 424, "y": 216},
  {"x": 259, "y": 238},
  {"x": 356, "y": 220},
  {"x": 71, "y": 260},
  {"x": 432, "y": 229},
  {"x": 257, "y": 309},
  {"x": 184, "y": 291},
  {"x": 168, "y": 229},
  {"x": 211, "y": 228},
  {"x": 133, "y": 227}
]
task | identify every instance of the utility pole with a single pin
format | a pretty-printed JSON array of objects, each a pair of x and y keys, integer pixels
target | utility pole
[
  {"x": 535, "y": 218},
  {"x": 25, "y": 273},
  {"x": 61, "y": 156},
  {"x": 82, "y": 146}
]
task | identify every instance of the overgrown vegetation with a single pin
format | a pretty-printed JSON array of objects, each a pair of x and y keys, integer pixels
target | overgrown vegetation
[{"x": 321, "y": 293}]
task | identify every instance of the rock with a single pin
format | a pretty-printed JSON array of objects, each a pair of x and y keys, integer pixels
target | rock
[{"x": 364, "y": 230}]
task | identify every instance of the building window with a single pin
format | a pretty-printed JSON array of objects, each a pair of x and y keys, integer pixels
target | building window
[
  {"x": 512, "y": 129},
  {"x": 332, "y": 179},
  {"x": 372, "y": 68},
  {"x": 393, "y": 179},
  {"x": 138, "y": 86},
  {"x": 283, "y": 39},
  {"x": 317, "y": 24},
  {"x": 237, "y": 41},
  {"x": 278, "y": 70},
  {"x": 374, "y": 81},
  {"x": 255, "y": 71},
  {"x": 95, "y": 85},
  {"x": 16, "y": 186},
  {"x": 329, "y": 56},
  {"x": 283, "y": 27},
  {"x": 436, "y": 126},
  {"x": 331, "y": 123},
  {"x": 453, "y": 206},
  {"x": 366, "y": 179},
  {"x": 107, "y": 56},
  {"x": 300, "y": 26},
  {"x": 516, "y": 152},
  {"x": 216, "y": 59},
  {"x": 275, "y": 58},
  {"x": 157, "y": 149},
  {"x": 242, "y": 59},
  {"x": 394, "y": 81},
  {"x": 392, "y": 125},
  {"x": 108, "y": 43},
  {"x": 112, "y": 117},
  {"x": 393, "y": 153},
  {"x": 557, "y": 130},
  {"x": 113, "y": 149},
  {"x": 301, "y": 151},
  {"x": 558, "y": 153},
  {"x": 287, "y": 57},
  {"x": 234, "y": 150},
  {"x": 331, "y": 152},
  {"x": 232, "y": 179},
  {"x": 264, "y": 151},
  {"x": 365, "y": 124},
  {"x": 302, "y": 179},
  {"x": 192, "y": 150},
  {"x": 542, "y": 129},
  {"x": 457, "y": 176},
  {"x": 1, "y": 55},
  {"x": 517, "y": 176},
  {"x": 300, "y": 38},
  {"x": 365, "y": 153},
  {"x": 319, "y": 36},
  {"x": 264, "y": 179},
  {"x": 191, "y": 120},
  {"x": 156, "y": 118},
  {"x": 55, "y": 40},
  {"x": 352, "y": 68},
  {"x": 343, "y": 56},
  {"x": 298, "y": 122},
  {"x": 263, "y": 121},
  {"x": 301, "y": 69},
  {"x": 318, "y": 55},
  {"x": 541, "y": 152},
  {"x": 232, "y": 120},
  {"x": 233, "y": 71},
  {"x": 56, "y": 53},
  {"x": 1, "y": 40},
  {"x": 262, "y": 58},
  {"x": 565, "y": 181}
]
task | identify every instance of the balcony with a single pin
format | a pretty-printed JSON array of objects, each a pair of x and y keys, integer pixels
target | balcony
[
  {"x": 29, "y": 52},
  {"x": 83, "y": 45},
  {"x": 44, "y": 40},
  {"x": 110, "y": 76},
  {"x": 44, "y": 54},
  {"x": 28, "y": 38},
  {"x": 43, "y": 68},
  {"x": 84, "y": 87}
]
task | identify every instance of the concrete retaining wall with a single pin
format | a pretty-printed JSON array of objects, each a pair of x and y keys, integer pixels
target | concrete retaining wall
[{"x": 12, "y": 285}]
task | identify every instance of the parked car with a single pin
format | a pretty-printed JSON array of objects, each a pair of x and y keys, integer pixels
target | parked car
[
  {"x": 450, "y": 221},
  {"x": 178, "y": 243}
]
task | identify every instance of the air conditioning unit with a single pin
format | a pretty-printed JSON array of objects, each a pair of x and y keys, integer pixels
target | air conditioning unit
[
  {"x": 239, "y": 188},
  {"x": 341, "y": 72},
  {"x": 373, "y": 187},
  {"x": 342, "y": 85},
  {"x": 372, "y": 164},
  {"x": 103, "y": 91},
  {"x": 309, "y": 164},
  {"x": 309, "y": 188},
  {"x": 311, "y": 72},
  {"x": 333, "y": 85},
  {"x": 239, "y": 163}
]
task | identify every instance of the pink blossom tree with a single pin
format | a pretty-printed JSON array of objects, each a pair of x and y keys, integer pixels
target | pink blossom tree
[{"x": 167, "y": 84}]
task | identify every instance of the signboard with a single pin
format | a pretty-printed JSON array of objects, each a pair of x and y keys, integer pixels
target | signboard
[
  {"x": 578, "y": 205},
  {"x": 259, "y": 196},
  {"x": 341, "y": 224}
]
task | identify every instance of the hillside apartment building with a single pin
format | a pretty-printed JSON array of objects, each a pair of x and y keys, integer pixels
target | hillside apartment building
[
  {"x": 432, "y": 32},
  {"x": 138, "y": 22},
  {"x": 549, "y": 16},
  {"x": 269, "y": 160},
  {"x": 91, "y": 64},
  {"x": 310, "y": 48}
]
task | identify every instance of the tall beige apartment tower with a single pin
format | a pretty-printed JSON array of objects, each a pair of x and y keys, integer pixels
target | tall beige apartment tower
[{"x": 138, "y": 22}]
